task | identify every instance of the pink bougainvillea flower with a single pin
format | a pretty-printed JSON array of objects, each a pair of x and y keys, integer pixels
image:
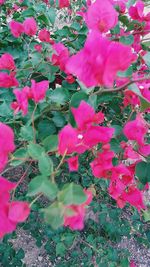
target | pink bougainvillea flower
[
  {"x": 102, "y": 165},
  {"x": 61, "y": 56},
  {"x": 116, "y": 189},
  {"x": 6, "y": 185},
  {"x": 75, "y": 221},
  {"x": 72, "y": 140},
  {"x": 7, "y": 62},
  {"x": 11, "y": 214},
  {"x": 123, "y": 173},
  {"x": 130, "y": 153},
  {"x": 30, "y": 26},
  {"x": 101, "y": 16},
  {"x": 123, "y": 188},
  {"x": 68, "y": 140},
  {"x": 98, "y": 134},
  {"x": 64, "y": 3},
  {"x": 136, "y": 129},
  {"x": 6, "y": 138},
  {"x": 7, "y": 80},
  {"x": 2, "y": 2},
  {"x": 73, "y": 163},
  {"x": 96, "y": 63},
  {"x": 6, "y": 226},
  {"x": 6, "y": 144},
  {"x": 38, "y": 47},
  {"x": 16, "y": 28},
  {"x": 38, "y": 90},
  {"x": 18, "y": 211},
  {"x": 136, "y": 12},
  {"x": 130, "y": 98},
  {"x": 87, "y": 134},
  {"x": 121, "y": 4},
  {"x": 22, "y": 100},
  {"x": 44, "y": 36},
  {"x": 134, "y": 197},
  {"x": 85, "y": 115},
  {"x": 132, "y": 264},
  {"x": 145, "y": 149}
]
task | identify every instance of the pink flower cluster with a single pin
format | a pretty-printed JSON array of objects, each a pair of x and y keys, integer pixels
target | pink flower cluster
[
  {"x": 101, "y": 16},
  {"x": 11, "y": 212},
  {"x": 123, "y": 186},
  {"x": 96, "y": 63},
  {"x": 29, "y": 27},
  {"x": 6, "y": 144},
  {"x": 7, "y": 63},
  {"x": 36, "y": 92},
  {"x": 87, "y": 134},
  {"x": 64, "y": 3}
]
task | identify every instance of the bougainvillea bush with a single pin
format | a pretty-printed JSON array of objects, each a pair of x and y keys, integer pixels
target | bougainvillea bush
[{"x": 74, "y": 107}]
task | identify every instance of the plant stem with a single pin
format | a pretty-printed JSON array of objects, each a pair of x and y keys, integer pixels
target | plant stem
[
  {"x": 33, "y": 126},
  {"x": 120, "y": 88}
]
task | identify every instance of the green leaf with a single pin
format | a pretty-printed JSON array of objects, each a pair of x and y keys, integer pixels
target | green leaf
[
  {"x": 144, "y": 102},
  {"x": 19, "y": 153},
  {"x": 26, "y": 133},
  {"x": 77, "y": 98},
  {"x": 59, "y": 119},
  {"x": 72, "y": 194},
  {"x": 5, "y": 110},
  {"x": 41, "y": 184},
  {"x": 46, "y": 128},
  {"x": 147, "y": 59},
  {"x": 35, "y": 150},
  {"x": 118, "y": 129},
  {"x": 146, "y": 215},
  {"x": 60, "y": 249},
  {"x": 142, "y": 171},
  {"x": 127, "y": 40},
  {"x": 59, "y": 96},
  {"x": 115, "y": 145},
  {"x": 20, "y": 254},
  {"x": 43, "y": 19},
  {"x": 28, "y": 13},
  {"x": 45, "y": 164},
  {"x": 51, "y": 143},
  {"x": 52, "y": 15},
  {"x": 126, "y": 73},
  {"x": 54, "y": 215}
]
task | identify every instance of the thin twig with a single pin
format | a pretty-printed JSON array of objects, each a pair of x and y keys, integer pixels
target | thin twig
[
  {"x": 21, "y": 179},
  {"x": 120, "y": 88}
]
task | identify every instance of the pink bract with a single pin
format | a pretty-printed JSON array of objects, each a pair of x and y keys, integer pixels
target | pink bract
[
  {"x": 136, "y": 129},
  {"x": 44, "y": 35},
  {"x": 64, "y": 3},
  {"x": 101, "y": 16},
  {"x": 7, "y": 81},
  {"x": 16, "y": 28},
  {"x": 61, "y": 56},
  {"x": 30, "y": 26},
  {"x": 38, "y": 90},
  {"x": 22, "y": 100},
  {"x": 85, "y": 115},
  {"x": 18, "y": 211},
  {"x": 73, "y": 163},
  {"x": 7, "y": 62},
  {"x": 96, "y": 63}
]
